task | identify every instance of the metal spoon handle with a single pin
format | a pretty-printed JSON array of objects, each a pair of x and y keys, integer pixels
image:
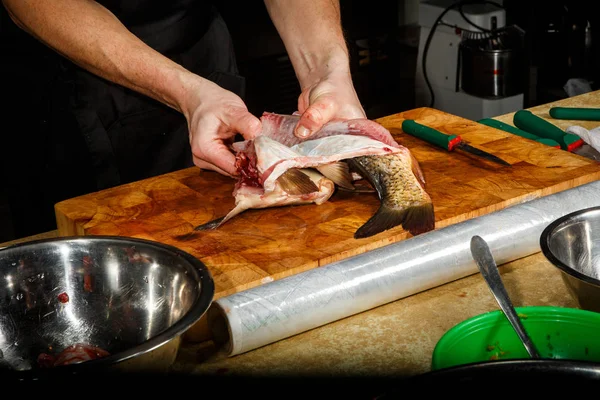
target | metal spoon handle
[{"x": 485, "y": 261}]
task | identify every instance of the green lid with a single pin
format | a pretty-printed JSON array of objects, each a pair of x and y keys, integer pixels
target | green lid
[{"x": 556, "y": 332}]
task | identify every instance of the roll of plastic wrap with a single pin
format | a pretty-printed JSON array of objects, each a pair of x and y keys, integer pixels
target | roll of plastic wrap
[{"x": 265, "y": 314}]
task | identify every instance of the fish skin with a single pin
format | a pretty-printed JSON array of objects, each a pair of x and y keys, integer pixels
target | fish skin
[
  {"x": 280, "y": 127},
  {"x": 274, "y": 158},
  {"x": 404, "y": 200}
]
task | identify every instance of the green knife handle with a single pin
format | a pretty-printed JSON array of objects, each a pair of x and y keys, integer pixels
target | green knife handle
[
  {"x": 585, "y": 114},
  {"x": 516, "y": 131},
  {"x": 527, "y": 121},
  {"x": 431, "y": 135}
]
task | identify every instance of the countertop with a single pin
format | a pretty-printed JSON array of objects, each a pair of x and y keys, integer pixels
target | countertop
[{"x": 396, "y": 339}]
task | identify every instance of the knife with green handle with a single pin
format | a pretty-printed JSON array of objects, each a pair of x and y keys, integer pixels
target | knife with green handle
[
  {"x": 445, "y": 141},
  {"x": 575, "y": 113},
  {"x": 493, "y": 123},
  {"x": 529, "y": 122}
]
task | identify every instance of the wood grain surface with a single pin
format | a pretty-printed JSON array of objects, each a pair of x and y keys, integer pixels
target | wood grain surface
[{"x": 259, "y": 246}]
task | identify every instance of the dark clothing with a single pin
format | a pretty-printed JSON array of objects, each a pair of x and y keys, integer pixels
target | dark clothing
[{"x": 78, "y": 133}]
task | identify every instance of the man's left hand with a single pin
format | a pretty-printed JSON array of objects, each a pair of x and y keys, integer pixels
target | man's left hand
[{"x": 328, "y": 99}]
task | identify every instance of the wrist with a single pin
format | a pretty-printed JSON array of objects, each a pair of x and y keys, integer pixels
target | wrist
[
  {"x": 315, "y": 67},
  {"x": 188, "y": 88}
]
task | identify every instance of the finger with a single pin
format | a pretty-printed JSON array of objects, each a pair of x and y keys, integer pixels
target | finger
[
  {"x": 214, "y": 152},
  {"x": 207, "y": 166},
  {"x": 315, "y": 116},
  {"x": 245, "y": 123}
]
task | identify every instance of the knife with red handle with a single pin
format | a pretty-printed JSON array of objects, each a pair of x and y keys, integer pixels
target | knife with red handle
[
  {"x": 529, "y": 122},
  {"x": 448, "y": 142}
]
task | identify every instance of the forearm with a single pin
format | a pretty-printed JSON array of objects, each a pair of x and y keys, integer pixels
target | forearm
[
  {"x": 93, "y": 38},
  {"x": 312, "y": 33}
]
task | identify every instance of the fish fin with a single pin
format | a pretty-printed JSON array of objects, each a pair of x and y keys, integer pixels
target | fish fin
[
  {"x": 215, "y": 223},
  {"x": 416, "y": 219},
  {"x": 295, "y": 182},
  {"x": 374, "y": 180},
  {"x": 416, "y": 169},
  {"x": 339, "y": 173},
  {"x": 360, "y": 188}
]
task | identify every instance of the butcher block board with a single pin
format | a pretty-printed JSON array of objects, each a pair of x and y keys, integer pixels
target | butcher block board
[{"x": 263, "y": 245}]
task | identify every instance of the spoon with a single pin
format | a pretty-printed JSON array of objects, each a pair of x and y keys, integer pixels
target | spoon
[{"x": 485, "y": 261}]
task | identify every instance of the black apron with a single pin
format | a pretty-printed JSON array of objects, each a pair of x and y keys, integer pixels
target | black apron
[
  {"x": 92, "y": 134},
  {"x": 129, "y": 136}
]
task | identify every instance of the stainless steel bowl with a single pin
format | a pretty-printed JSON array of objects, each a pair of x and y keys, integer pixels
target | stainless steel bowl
[
  {"x": 572, "y": 244},
  {"x": 130, "y": 297}
]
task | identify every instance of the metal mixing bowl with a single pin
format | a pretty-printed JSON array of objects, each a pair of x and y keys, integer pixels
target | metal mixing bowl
[
  {"x": 572, "y": 244},
  {"x": 130, "y": 297}
]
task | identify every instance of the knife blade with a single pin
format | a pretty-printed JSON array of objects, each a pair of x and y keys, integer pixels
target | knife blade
[
  {"x": 588, "y": 151},
  {"x": 445, "y": 141},
  {"x": 578, "y": 113}
]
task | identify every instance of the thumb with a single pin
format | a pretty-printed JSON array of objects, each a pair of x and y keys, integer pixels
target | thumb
[{"x": 321, "y": 111}]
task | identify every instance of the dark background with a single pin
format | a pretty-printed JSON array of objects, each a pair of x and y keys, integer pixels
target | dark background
[
  {"x": 555, "y": 39},
  {"x": 383, "y": 60}
]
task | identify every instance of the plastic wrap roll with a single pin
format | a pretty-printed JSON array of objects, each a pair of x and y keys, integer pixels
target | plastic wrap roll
[{"x": 265, "y": 314}]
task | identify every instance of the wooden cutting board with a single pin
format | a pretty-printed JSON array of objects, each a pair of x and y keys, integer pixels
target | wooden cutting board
[{"x": 259, "y": 246}]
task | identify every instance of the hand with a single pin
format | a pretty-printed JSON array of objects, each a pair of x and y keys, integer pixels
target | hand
[
  {"x": 312, "y": 33},
  {"x": 332, "y": 97},
  {"x": 215, "y": 116}
]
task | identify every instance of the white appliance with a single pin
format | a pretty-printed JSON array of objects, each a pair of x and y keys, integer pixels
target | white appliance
[{"x": 442, "y": 60}]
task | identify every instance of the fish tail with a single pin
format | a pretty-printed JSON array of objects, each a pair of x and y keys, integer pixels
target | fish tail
[{"x": 416, "y": 219}]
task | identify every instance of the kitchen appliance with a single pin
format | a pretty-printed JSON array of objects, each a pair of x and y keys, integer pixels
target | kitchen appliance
[{"x": 470, "y": 63}]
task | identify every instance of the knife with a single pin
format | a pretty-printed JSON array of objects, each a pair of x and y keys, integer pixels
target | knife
[
  {"x": 531, "y": 123},
  {"x": 580, "y": 113},
  {"x": 448, "y": 142},
  {"x": 519, "y": 132}
]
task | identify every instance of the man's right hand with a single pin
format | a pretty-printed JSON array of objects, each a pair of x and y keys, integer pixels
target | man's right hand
[
  {"x": 92, "y": 37},
  {"x": 215, "y": 116}
]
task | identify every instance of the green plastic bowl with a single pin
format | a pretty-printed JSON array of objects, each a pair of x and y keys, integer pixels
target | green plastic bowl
[{"x": 556, "y": 332}]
